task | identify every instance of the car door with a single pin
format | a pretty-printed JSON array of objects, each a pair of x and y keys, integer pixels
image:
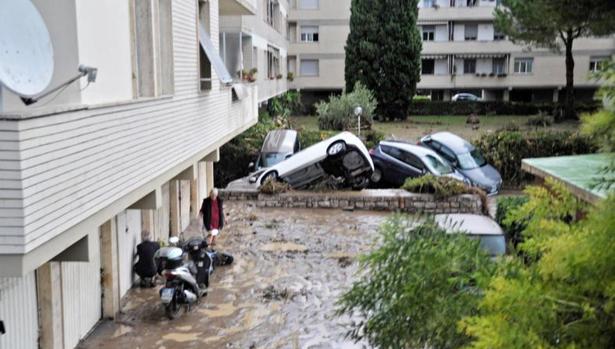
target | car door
[{"x": 402, "y": 165}]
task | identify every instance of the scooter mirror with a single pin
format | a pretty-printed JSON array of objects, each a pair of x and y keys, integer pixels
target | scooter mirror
[{"x": 173, "y": 240}]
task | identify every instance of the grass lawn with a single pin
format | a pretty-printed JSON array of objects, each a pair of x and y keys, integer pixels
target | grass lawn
[{"x": 417, "y": 126}]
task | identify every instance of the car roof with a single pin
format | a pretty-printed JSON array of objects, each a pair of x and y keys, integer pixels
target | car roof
[
  {"x": 471, "y": 224},
  {"x": 454, "y": 142},
  {"x": 409, "y": 147},
  {"x": 279, "y": 141}
]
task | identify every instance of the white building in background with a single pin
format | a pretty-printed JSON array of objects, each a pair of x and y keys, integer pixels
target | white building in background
[
  {"x": 462, "y": 52},
  {"x": 82, "y": 172}
]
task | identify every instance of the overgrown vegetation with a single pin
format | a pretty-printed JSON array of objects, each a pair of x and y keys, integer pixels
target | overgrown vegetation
[
  {"x": 338, "y": 112},
  {"x": 272, "y": 186},
  {"x": 542, "y": 120},
  {"x": 465, "y": 108},
  {"x": 416, "y": 287},
  {"x": 443, "y": 187},
  {"x": 505, "y": 149},
  {"x": 513, "y": 229}
]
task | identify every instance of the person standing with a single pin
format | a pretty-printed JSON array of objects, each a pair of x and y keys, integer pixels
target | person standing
[
  {"x": 213, "y": 216},
  {"x": 145, "y": 266}
]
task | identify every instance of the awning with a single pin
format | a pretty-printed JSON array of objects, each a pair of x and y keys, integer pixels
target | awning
[
  {"x": 481, "y": 55},
  {"x": 241, "y": 91},
  {"x": 433, "y": 56},
  {"x": 214, "y": 57}
]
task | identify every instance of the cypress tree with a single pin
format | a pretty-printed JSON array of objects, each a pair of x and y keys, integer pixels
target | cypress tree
[{"x": 383, "y": 51}]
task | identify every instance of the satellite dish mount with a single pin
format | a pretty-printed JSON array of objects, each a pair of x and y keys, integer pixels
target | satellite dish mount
[{"x": 90, "y": 72}]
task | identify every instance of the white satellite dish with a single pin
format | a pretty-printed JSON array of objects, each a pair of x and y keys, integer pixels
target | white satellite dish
[{"x": 26, "y": 52}]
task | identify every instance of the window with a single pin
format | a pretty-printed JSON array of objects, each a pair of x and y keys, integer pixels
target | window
[
  {"x": 523, "y": 65},
  {"x": 153, "y": 60},
  {"x": 309, "y": 67},
  {"x": 471, "y": 3},
  {"x": 428, "y": 3},
  {"x": 471, "y": 32},
  {"x": 273, "y": 62},
  {"x": 498, "y": 35},
  {"x": 427, "y": 66},
  {"x": 412, "y": 160},
  {"x": 428, "y": 32},
  {"x": 308, "y": 4},
  {"x": 596, "y": 63},
  {"x": 272, "y": 15},
  {"x": 309, "y": 33},
  {"x": 498, "y": 66},
  {"x": 469, "y": 66},
  {"x": 208, "y": 55}
]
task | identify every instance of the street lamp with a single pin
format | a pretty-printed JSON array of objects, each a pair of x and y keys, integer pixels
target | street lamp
[{"x": 357, "y": 112}]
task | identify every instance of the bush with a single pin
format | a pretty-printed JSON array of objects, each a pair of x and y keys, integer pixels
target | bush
[
  {"x": 505, "y": 205},
  {"x": 443, "y": 187},
  {"x": 338, "y": 113},
  {"x": 506, "y": 149},
  {"x": 541, "y": 119},
  {"x": 416, "y": 287},
  {"x": 493, "y": 108},
  {"x": 272, "y": 186}
]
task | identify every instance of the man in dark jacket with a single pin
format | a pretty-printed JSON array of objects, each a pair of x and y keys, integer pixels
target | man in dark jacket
[
  {"x": 213, "y": 216},
  {"x": 145, "y": 266}
]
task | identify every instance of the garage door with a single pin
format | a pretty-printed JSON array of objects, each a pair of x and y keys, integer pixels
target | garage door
[
  {"x": 81, "y": 294},
  {"x": 128, "y": 237},
  {"x": 18, "y": 311}
]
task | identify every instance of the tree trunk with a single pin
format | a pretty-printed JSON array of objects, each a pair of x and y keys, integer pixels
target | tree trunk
[{"x": 569, "y": 112}]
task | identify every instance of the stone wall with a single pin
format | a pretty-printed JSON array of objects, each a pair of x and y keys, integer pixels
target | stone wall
[{"x": 371, "y": 199}]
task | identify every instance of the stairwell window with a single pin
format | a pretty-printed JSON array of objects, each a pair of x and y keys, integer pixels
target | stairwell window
[
  {"x": 309, "y": 67},
  {"x": 309, "y": 33},
  {"x": 308, "y": 4},
  {"x": 523, "y": 65},
  {"x": 429, "y": 32},
  {"x": 469, "y": 66},
  {"x": 470, "y": 32}
]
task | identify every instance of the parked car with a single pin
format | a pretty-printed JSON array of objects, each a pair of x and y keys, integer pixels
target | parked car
[
  {"x": 394, "y": 161},
  {"x": 278, "y": 145},
  {"x": 465, "y": 97},
  {"x": 491, "y": 236},
  {"x": 342, "y": 157},
  {"x": 466, "y": 159}
]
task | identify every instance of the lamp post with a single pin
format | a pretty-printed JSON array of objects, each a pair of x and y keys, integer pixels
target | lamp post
[{"x": 357, "y": 112}]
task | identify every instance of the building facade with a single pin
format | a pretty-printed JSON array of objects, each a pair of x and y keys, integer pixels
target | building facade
[
  {"x": 85, "y": 170},
  {"x": 462, "y": 52}
]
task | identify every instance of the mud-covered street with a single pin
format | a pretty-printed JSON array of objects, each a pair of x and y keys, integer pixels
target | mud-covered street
[{"x": 290, "y": 267}]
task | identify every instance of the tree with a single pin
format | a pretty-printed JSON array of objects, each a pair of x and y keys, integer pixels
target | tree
[
  {"x": 553, "y": 24},
  {"x": 416, "y": 286},
  {"x": 383, "y": 51}
]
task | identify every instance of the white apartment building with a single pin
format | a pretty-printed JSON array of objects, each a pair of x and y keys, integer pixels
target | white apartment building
[
  {"x": 462, "y": 52},
  {"x": 85, "y": 170},
  {"x": 258, "y": 42}
]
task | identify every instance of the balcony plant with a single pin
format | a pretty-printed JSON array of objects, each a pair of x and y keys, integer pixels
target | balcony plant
[
  {"x": 290, "y": 76},
  {"x": 279, "y": 76}
]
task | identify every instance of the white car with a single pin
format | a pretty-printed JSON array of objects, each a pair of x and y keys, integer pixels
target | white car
[
  {"x": 465, "y": 97},
  {"x": 343, "y": 157},
  {"x": 483, "y": 228}
]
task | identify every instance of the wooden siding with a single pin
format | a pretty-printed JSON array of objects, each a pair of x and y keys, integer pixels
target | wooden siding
[{"x": 57, "y": 170}]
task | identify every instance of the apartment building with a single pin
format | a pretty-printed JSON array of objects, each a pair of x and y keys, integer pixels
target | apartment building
[
  {"x": 85, "y": 170},
  {"x": 462, "y": 52},
  {"x": 254, "y": 47}
]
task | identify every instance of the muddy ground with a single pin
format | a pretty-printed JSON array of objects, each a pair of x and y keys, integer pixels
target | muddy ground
[{"x": 290, "y": 267}]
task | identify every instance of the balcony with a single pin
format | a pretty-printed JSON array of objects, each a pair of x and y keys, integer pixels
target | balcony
[
  {"x": 237, "y": 7},
  {"x": 458, "y": 14}
]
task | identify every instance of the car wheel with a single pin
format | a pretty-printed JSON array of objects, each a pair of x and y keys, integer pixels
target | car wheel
[
  {"x": 336, "y": 148},
  {"x": 271, "y": 175},
  {"x": 376, "y": 175},
  {"x": 361, "y": 184}
]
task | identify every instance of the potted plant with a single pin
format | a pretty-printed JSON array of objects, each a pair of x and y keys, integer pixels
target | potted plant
[
  {"x": 279, "y": 76},
  {"x": 290, "y": 76}
]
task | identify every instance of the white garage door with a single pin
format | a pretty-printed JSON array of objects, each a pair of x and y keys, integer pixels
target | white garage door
[
  {"x": 128, "y": 237},
  {"x": 18, "y": 311},
  {"x": 81, "y": 294}
]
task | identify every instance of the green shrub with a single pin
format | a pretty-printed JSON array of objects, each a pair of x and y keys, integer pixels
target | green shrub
[
  {"x": 417, "y": 285},
  {"x": 506, "y": 149},
  {"x": 443, "y": 187},
  {"x": 505, "y": 205},
  {"x": 542, "y": 120},
  {"x": 493, "y": 108},
  {"x": 338, "y": 113}
]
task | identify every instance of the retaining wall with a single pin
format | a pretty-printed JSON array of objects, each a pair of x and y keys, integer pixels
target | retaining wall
[{"x": 370, "y": 199}]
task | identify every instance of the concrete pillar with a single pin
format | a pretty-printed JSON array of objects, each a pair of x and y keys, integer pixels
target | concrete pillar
[
  {"x": 202, "y": 181},
  {"x": 149, "y": 223},
  {"x": 110, "y": 268},
  {"x": 506, "y": 95},
  {"x": 49, "y": 297},
  {"x": 446, "y": 95},
  {"x": 185, "y": 201},
  {"x": 175, "y": 220},
  {"x": 210, "y": 176},
  {"x": 555, "y": 95},
  {"x": 163, "y": 213}
]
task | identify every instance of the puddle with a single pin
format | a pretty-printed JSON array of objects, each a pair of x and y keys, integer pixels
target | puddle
[{"x": 279, "y": 293}]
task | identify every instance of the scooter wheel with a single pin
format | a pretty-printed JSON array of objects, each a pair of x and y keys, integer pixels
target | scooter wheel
[{"x": 172, "y": 310}]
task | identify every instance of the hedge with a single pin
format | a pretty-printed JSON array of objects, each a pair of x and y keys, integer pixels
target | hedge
[
  {"x": 494, "y": 108},
  {"x": 505, "y": 149}
]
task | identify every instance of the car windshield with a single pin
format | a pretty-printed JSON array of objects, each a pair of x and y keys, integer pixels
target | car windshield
[
  {"x": 436, "y": 166},
  {"x": 470, "y": 160},
  {"x": 271, "y": 159},
  {"x": 495, "y": 245}
]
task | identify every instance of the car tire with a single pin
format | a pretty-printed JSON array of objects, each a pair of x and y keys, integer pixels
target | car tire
[
  {"x": 273, "y": 175},
  {"x": 376, "y": 176},
  {"x": 336, "y": 149},
  {"x": 361, "y": 184}
]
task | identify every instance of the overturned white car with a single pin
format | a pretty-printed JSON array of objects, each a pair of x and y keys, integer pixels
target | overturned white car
[{"x": 343, "y": 159}]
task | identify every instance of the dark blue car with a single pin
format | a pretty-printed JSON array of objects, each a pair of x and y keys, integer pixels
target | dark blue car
[{"x": 466, "y": 159}]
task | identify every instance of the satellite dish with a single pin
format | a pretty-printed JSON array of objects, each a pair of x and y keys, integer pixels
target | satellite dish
[{"x": 26, "y": 52}]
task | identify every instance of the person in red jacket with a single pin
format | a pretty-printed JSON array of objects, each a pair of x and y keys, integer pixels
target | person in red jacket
[{"x": 213, "y": 216}]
